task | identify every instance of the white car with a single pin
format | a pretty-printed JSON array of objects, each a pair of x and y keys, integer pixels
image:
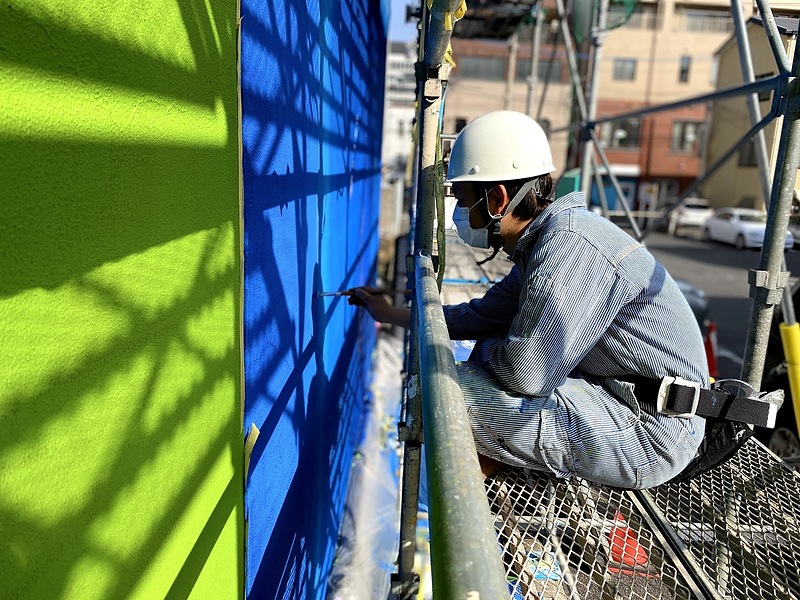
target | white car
[
  {"x": 742, "y": 227},
  {"x": 691, "y": 212}
]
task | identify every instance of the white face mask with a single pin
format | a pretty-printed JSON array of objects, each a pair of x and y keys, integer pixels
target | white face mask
[{"x": 477, "y": 238}]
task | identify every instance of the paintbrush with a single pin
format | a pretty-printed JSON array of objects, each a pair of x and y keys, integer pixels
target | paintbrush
[
  {"x": 344, "y": 293},
  {"x": 351, "y": 293}
]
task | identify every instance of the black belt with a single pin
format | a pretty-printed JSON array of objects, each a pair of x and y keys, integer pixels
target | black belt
[{"x": 678, "y": 397}]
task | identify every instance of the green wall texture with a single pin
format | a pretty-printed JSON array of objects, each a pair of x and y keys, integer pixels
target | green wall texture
[{"x": 120, "y": 378}]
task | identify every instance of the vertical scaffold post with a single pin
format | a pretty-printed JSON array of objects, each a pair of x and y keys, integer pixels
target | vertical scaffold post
[{"x": 768, "y": 281}]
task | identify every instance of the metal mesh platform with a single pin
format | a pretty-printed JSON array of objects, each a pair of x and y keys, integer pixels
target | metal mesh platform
[
  {"x": 740, "y": 525},
  {"x": 568, "y": 539},
  {"x": 732, "y": 533}
]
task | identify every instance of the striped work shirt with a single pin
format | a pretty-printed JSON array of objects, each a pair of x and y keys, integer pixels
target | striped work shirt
[{"x": 583, "y": 299}]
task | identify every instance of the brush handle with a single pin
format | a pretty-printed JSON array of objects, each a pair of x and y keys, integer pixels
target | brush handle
[{"x": 350, "y": 293}]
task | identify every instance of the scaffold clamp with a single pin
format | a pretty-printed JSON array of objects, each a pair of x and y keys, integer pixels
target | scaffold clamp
[{"x": 765, "y": 288}]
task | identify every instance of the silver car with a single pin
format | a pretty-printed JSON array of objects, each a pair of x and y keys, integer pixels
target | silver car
[{"x": 742, "y": 227}]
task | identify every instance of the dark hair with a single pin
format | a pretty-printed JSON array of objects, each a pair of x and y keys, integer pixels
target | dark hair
[{"x": 534, "y": 202}]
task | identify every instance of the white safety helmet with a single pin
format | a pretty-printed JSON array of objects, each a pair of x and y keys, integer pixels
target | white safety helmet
[{"x": 500, "y": 146}]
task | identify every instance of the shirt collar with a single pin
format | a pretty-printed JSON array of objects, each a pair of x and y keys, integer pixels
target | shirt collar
[{"x": 570, "y": 201}]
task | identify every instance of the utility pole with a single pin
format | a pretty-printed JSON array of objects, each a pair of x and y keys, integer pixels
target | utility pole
[
  {"x": 511, "y": 68},
  {"x": 598, "y": 36},
  {"x": 536, "y": 39}
]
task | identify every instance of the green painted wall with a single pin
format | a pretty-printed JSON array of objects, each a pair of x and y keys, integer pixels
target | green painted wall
[{"x": 120, "y": 394}]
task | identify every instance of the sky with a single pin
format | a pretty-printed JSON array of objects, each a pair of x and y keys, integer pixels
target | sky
[{"x": 399, "y": 30}]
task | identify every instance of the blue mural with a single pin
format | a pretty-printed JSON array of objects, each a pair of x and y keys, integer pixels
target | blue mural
[{"x": 312, "y": 112}]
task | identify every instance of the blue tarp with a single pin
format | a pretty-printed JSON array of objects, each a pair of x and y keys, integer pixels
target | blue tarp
[{"x": 312, "y": 116}]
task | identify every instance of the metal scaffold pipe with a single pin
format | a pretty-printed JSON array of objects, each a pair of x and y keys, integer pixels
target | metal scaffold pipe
[
  {"x": 465, "y": 560},
  {"x": 752, "y": 99},
  {"x": 443, "y": 14},
  {"x": 768, "y": 281},
  {"x": 511, "y": 69},
  {"x": 572, "y": 63},
  {"x": 536, "y": 39},
  {"x": 754, "y": 109},
  {"x": 410, "y": 433},
  {"x": 760, "y": 85},
  {"x": 773, "y": 35},
  {"x": 431, "y": 105}
]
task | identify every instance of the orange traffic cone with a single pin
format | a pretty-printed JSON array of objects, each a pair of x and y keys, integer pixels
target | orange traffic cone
[
  {"x": 711, "y": 349},
  {"x": 626, "y": 552}
]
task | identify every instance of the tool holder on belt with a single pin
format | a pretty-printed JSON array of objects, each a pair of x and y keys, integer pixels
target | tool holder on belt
[{"x": 728, "y": 399}]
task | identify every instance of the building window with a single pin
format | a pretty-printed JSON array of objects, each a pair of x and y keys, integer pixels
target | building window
[
  {"x": 620, "y": 134},
  {"x": 461, "y": 122},
  {"x": 491, "y": 68},
  {"x": 683, "y": 70},
  {"x": 546, "y": 70},
  {"x": 704, "y": 21},
  {"x": 643, "y": 17},
  {"x": 686, "y": 136},
  {"x": 764, "y": 95},
  {"x": 624, "y": 69},
  {"x": 747, "y": 154}
]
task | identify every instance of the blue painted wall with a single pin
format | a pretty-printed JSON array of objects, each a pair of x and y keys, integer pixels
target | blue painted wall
[{"x": 312, "y": 112}]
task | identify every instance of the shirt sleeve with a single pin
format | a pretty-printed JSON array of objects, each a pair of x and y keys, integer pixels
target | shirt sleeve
[
  {"x": 571, "y": 295},
  {"x": 487, "y": 317}
]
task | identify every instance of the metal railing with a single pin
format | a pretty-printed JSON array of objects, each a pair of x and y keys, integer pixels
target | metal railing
[{"x": 465, "y": 558}]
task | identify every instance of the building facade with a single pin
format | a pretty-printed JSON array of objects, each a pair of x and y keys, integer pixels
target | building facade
[
  {"x": 737, "y": 182},
  {"x": 664, "y": 53},
  {"x": 481, "y": 82},
  {"x": 179, "y": 408}
]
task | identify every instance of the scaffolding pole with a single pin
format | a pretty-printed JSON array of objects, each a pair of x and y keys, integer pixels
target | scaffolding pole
[
  {"x": 536, "y": 39},
  {"x": 768, "y": 281},
  {"x": 762, "y": 159}
]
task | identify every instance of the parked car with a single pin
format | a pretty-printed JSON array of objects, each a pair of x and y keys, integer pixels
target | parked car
[
  {"x": 690, "y": 212},
  {"x": 742, "y": 227}
]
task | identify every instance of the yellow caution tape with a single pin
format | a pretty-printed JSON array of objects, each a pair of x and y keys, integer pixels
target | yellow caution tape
[{"x": 448, "y": 56}]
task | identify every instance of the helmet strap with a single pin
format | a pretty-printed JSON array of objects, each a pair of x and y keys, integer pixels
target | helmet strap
[
  {"x": 494, "y": 233},
  {"x": 495, "y": 240},
  {"x": 523, "y": 191}
]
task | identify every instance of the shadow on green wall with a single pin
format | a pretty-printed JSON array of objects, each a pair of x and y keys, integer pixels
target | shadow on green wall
[
  {"x": 115, "y": 196},
  {"x": 120, "y": 448}
]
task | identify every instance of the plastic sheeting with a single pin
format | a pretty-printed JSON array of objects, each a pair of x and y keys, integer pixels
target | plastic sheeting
[{"x": 369, "y": 538}]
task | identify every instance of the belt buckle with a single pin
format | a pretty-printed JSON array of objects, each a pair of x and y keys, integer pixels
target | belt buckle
[{"x": 663, "y": 393}]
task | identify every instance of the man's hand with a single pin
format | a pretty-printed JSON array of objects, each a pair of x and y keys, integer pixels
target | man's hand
[{"x": 378, "y": 306}]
